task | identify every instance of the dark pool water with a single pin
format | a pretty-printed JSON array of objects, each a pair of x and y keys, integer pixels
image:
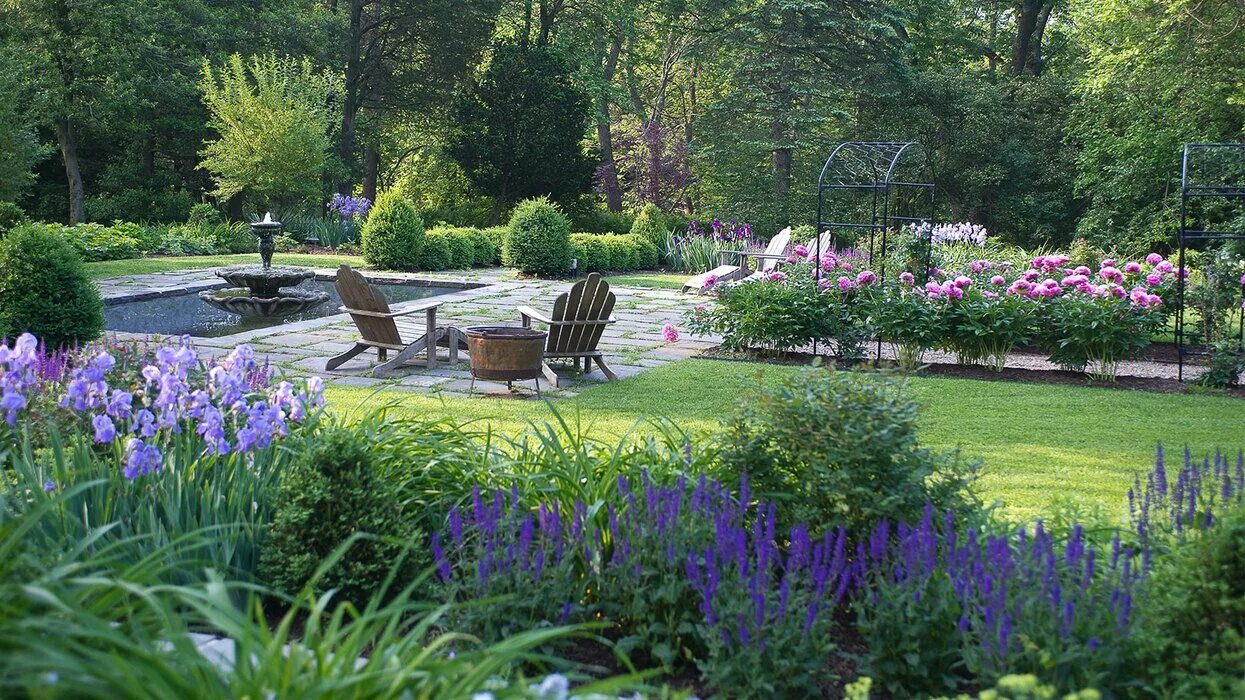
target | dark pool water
[{"x": 188, "y": 314}]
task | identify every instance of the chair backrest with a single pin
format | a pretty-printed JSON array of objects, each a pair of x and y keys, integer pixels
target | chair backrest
[
  {"x": 777, "y": 245},
  {"x": 827, "y": 240},
  {"x": 358, "y": 295},
  {"x": 588, "y": 305}
]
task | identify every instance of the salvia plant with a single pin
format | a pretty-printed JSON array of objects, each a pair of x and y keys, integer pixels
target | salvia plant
[
  {"x": 1172, "y": 503},
  {"x": 682, "y": 571},
  {"x": 976, "y": 605}
]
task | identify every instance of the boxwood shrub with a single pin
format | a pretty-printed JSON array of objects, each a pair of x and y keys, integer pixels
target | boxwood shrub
[
  {"x": 45, "y": 290},
  {"x": 436, "y": 253},
  {"x": 497, "y": 236},
  {"x": 462, "y": 249},
  {"x": 616, "y": 252},
  {"x": 539, "y": 241},
  {"x": 393, "y": 235}
]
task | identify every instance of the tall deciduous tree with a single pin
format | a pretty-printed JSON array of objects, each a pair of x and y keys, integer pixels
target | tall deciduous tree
[
  {"x": 273, "y": 117},
  {"x": 403, "y": 56},
  {"x": 518, "y": 131}
]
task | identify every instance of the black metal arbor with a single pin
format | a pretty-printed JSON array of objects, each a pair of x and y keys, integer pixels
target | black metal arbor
[
  {"x": 1212, "y": 210},
  {"x": 870, "y": 187}
]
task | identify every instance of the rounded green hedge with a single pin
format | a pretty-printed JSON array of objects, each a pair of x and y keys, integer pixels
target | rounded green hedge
[
  {"x": 393, "y": 235},
  {"x": 437, "y": 253},
  {"x": 45, "y": 290},
  {"x": 462, "y": 249},
  {"x": 616, "y": 252},
  {"x": 539, "y": 241},
  {"x": 333, "y": 493},
  {"x": 497, "y": 236},
  {"x": 485, "y": 252}
]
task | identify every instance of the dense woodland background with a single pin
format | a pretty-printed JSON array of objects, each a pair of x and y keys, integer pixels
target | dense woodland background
[{"x": 1044, "y": 120}]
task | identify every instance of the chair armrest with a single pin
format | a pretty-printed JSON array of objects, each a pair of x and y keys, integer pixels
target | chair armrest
[
  {"x": 770, "y": 256},
  {"x": 392, "y": 314},
  {"x": 527, "y": 313}
]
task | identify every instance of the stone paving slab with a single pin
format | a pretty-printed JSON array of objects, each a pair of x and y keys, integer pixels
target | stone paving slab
[{"x": 490, "y": 296}]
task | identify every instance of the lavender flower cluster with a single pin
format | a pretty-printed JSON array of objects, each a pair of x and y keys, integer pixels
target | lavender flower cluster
[
  {"x": 1200, "y": 493},
  {"x": 228, "y": 403}
]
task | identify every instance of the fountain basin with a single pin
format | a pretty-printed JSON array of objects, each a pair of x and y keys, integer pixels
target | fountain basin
[
  {"x": 264, "y": 282},
  {"x": 246, "y": 303}
]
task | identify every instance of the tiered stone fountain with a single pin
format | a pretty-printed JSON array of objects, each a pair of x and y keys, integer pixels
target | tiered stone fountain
[{"x": 259, "y": 290}]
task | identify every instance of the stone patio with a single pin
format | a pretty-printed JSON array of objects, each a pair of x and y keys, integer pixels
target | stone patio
[{"x": 632, "y": 345}]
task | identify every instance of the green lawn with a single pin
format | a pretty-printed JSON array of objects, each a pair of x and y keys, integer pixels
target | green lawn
[
  {"x": 142, "y": 266},
  {"x": 1039, "y": 443},
  {"x": 650, "y": 280}
]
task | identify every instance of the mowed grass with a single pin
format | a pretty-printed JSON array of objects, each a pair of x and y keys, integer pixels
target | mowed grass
[
  {"x": 1039, "y": 444},
  {"x": 144, "y": 266},
  {"x": 651, "y": 280}
]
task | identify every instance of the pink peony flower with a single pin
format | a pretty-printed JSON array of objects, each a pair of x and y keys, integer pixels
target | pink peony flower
[
  {"x": 998, "y": 280},
  {"x": 1031, "y": 275},
  {"x": 1164, "y": 266},
  {"x": 710, "y": 281},
  {"x": 963, "y": 282},
  {"x": 1154, "y": 279},
  {"x": 1108, "y": 262},
  {"x": 777, "y": 276},
  {"x": 845, "y": 283},
  {"x": 801, "y": 251},
  {"x": 936, "y": 272},
  {"x": 824, "y": 283},
  {"x": 989, "y": 294},
  {"x": 1132, "y": 268},
  {"x": 1154, "y": 258},
  {"x": 1243, "y": 280},
  {"x": 670, "y": 333},
  {"x": 866, "y": 277},
  {"x": 909, "y": 278},
  {"x": 980, "y": 265},
  {"x": 1110, "y": 274},
  {"x": 1074, "y": 281},
  {"x": 1081, "y": 270},
  {"x": 847, "y": 267}
]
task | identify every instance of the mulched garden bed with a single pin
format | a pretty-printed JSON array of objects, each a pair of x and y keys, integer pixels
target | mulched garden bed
[{"x": 1009, "y": 374}]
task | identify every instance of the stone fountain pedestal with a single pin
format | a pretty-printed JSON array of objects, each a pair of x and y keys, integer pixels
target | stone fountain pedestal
[{"x": 259, "y": 290}]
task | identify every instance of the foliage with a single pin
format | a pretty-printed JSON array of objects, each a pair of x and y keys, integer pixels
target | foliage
[
  {"x": 700, "y": 250},
  {"x": 791, "y": 308},
  {"x": 1193, "y": 642},
  {"x": 538, "y": 241},
  {"x": 840, "y": 448},
  {"x": 462, "y": 249},
  {"x": 651, "y": 224},
  {"x": 437, "y": 252},
  {"x": 650, "y": 167},
  {"x": 616, "y": 252},
  {"x": 1215, "y": 290},
  {"x": 1227, "y": 363},
  {"x": 978, "y": 606},
  {"x": 517, "y": 129},
  {"x": 10, "y": 215},
  {"x": 981, "y": 328},
  {"x": 45, "y": 289},
  {"x": 146, "y": 440},
  {"x": 272, "y": 115},
  {"x": 1081, "y": 331},
  {"x": 905, "y": 317},
  {"x": 328, "y": 495},
  {"x": 393, "y": 235}
]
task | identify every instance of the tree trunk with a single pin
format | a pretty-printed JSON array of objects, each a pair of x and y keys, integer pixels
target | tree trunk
[
  {"x": 371, "y": 171},
  {"x": 605, "y": 135},
  {"x": 73, "y": 174},
  {"x": 350, "y": 101},
  {"x": 1026, "y": 21},
  {"x": 780, "y": 128}
]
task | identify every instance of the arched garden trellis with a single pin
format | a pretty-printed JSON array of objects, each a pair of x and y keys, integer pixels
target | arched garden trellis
[
  {"x": 869, "y": 188},
  {"x": 1212, "y": 210}
]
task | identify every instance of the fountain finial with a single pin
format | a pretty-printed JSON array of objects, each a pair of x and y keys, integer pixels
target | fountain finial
[{"x": 264, "y": 231}]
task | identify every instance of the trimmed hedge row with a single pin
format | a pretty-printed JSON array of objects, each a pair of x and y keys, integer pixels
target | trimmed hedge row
[{"x": 616, "y": 252}]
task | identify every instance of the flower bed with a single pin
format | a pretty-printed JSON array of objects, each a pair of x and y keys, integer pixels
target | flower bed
[{"x": 1084, "y": 319}]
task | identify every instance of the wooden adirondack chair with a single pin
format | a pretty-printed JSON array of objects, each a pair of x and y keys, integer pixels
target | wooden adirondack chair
[
  {"x": 827, "y": 240},
  {"x": 575, "y": 325},
  {"x": 727, "y": 272},
  {"x": 377, "y": 328}
]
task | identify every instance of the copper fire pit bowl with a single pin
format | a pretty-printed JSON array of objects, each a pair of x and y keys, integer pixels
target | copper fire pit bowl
[{"x": 506, "y": 353}]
